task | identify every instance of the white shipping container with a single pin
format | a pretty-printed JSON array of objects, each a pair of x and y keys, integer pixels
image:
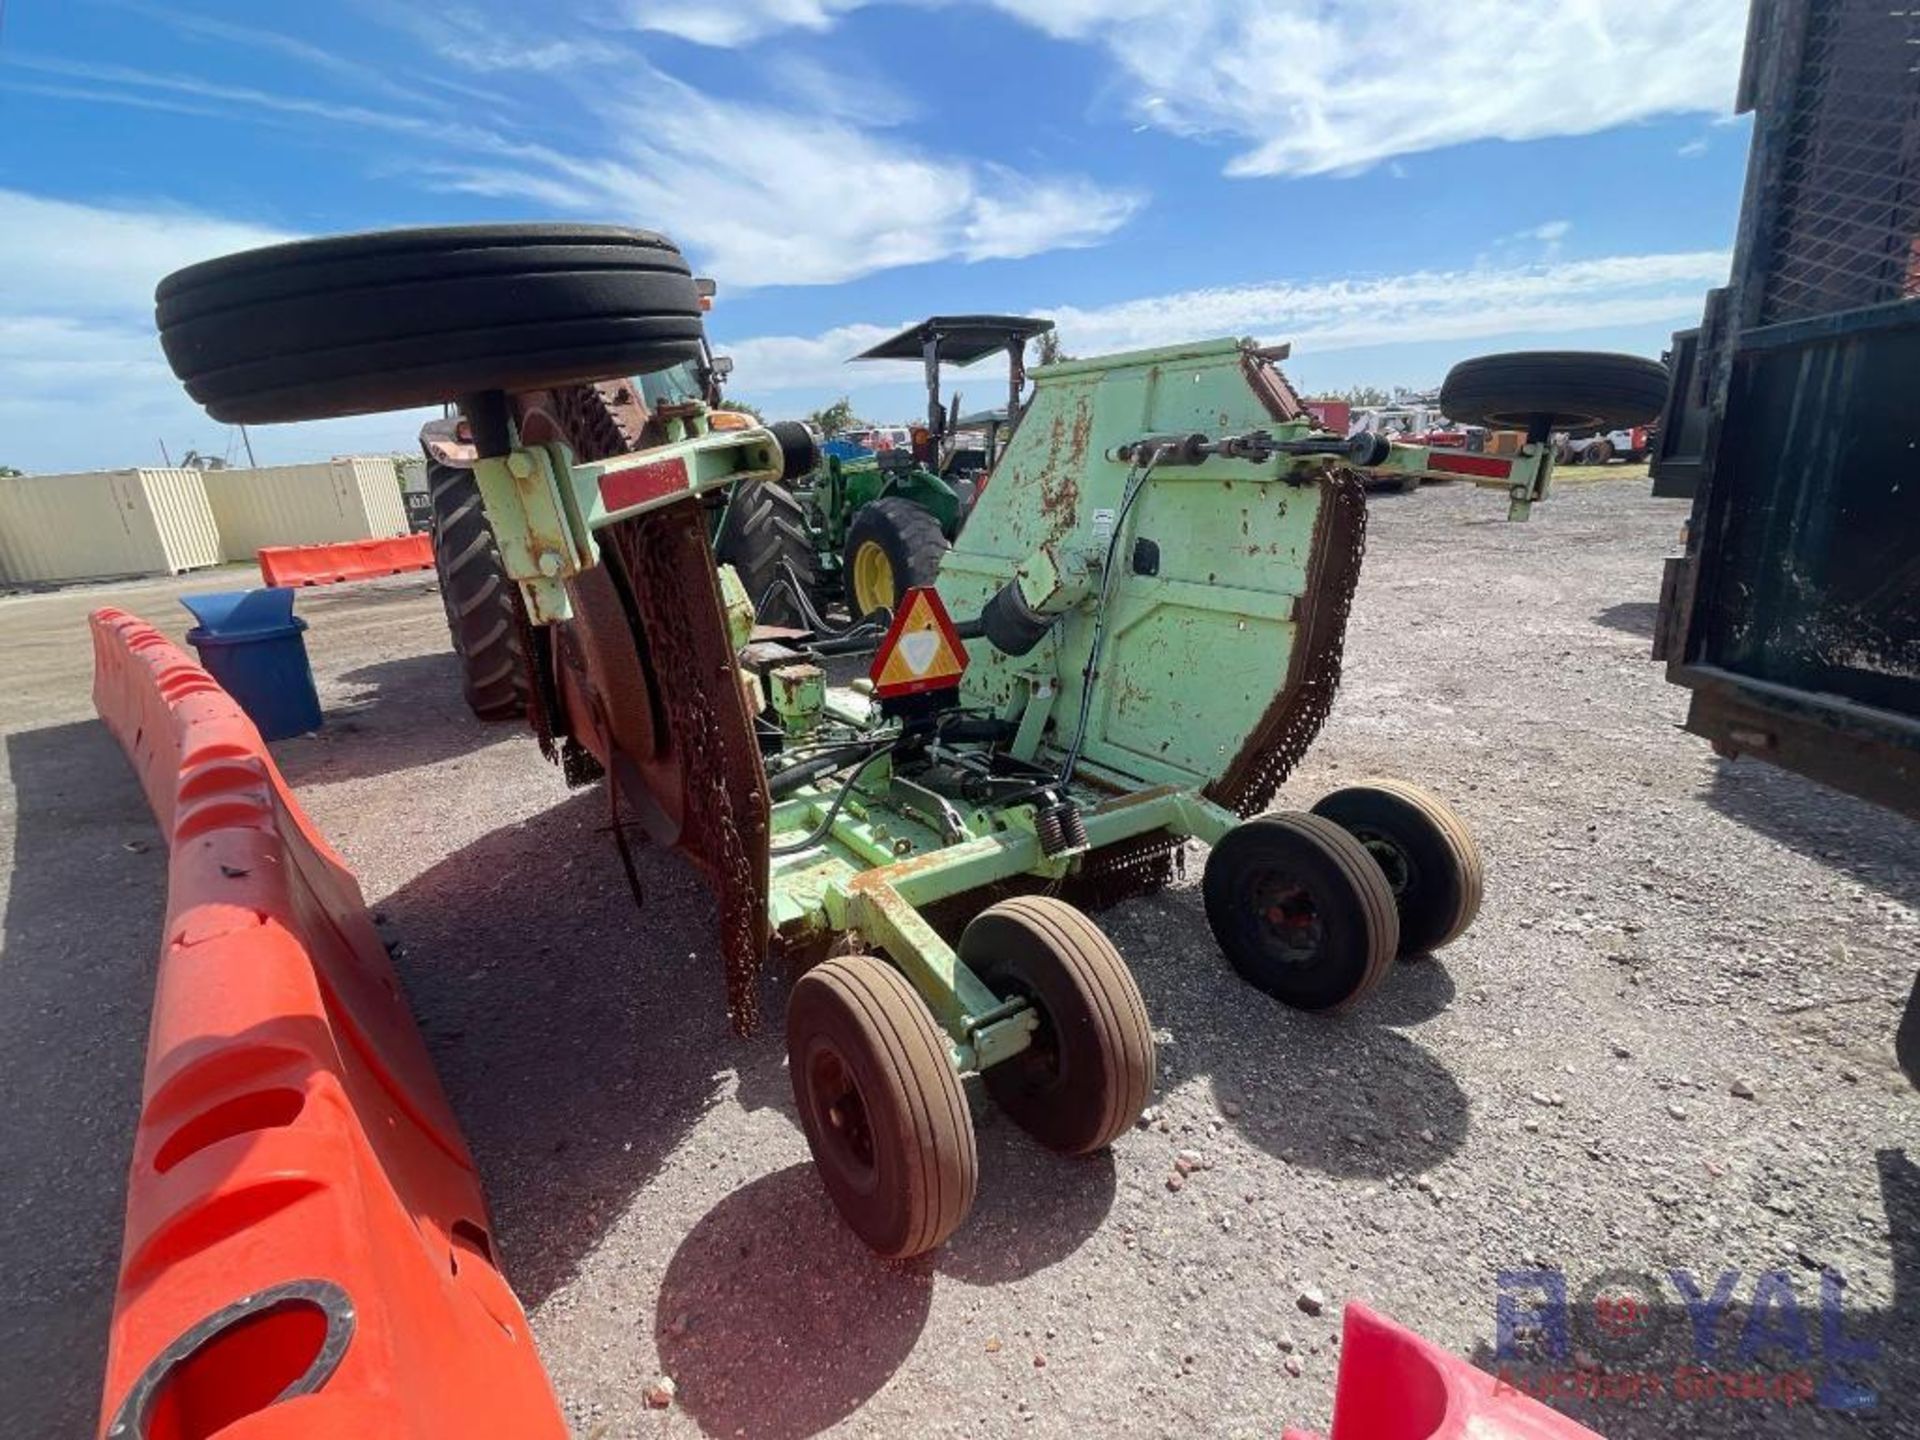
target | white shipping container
[
  {"x": 103, "y": 524},
  {"x": 352, "y": 498}
]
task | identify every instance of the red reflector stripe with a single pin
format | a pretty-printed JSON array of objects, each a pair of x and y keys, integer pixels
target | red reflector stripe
[
  {"x": 1488, "y": 465},
  {"x": 641, "y": 484}
]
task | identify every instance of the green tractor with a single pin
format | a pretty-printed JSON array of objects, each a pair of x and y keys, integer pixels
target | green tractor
[
  {"x": 1136, "y": 637},
  {"x": 881, "y": 523}
]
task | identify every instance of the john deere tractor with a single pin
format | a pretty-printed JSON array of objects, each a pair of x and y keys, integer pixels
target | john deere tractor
[
  {"x": 1031, "y": 736},
  {"x": 882, "y": 522}
]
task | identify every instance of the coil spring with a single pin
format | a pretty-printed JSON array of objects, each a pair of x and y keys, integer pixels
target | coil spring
[{"x": 1060, "y": 828}]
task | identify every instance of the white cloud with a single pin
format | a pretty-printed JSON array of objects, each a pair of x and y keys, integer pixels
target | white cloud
[
  {"x": 1693, "y": 148},
  {"x": 83, "y": 384},
  {"x": 1306, "y": 88},
  {"x": 737, "y": 23},
  {"x": 761, "y": 195},
  {"x": 758, "y": 193},
  {"x": 1551, "y": 300},
  {"x": 1551, "y": 232}
]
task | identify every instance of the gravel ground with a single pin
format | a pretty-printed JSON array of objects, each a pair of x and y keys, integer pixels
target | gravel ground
[{"x": 1666, "y": 1044}]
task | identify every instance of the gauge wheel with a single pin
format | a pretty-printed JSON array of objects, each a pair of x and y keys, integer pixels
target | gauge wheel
[
  {"x": 358, "y": 323},
  {"x": 1430, "y": 860},
  {"x": 1555, "y": 390},
  {"x": 1089, "y": 1070},
  {"x": 1301, "y": 910},
  {"x": 893, "y": 546},
  {"x": 881, "y": 1105}
]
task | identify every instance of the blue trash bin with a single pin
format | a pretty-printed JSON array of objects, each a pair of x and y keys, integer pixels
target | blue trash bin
[{"x": 253, "y": 644}]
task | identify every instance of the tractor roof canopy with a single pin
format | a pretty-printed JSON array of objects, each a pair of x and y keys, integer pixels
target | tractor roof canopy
[{"x": 959, "y": 339}]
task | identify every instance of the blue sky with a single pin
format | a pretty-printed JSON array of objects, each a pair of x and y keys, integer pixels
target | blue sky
[{"x": 1389, "y": 185}]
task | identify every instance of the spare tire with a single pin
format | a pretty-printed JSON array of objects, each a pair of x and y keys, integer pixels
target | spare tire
[
  {"x": 1567, "y": 389},
  {"x": 398, "y": 318},
  {"x": 799, "y": 451}
]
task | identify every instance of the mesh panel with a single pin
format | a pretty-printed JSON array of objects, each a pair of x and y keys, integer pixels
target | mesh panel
[{"x": 1846, "y": 230}]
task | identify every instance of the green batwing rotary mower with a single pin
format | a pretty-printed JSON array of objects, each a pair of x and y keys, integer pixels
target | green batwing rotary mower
[{"x": 1134, "y": 638}]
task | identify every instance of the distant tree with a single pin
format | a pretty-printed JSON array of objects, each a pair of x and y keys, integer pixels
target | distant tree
[
  {"x": 1365, "y": 395},
  {"x": 1046, "y": 349},
  {"x": 744, "y": 408},
  {"x": 9, "y": 470},
  {"x": 837, "y": 418}
]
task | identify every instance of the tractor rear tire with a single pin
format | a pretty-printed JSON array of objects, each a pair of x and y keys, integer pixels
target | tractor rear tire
[
  {"x": 1565, "y": 389},
  {"x": 765, "y": 534},
  {"x": 393, "y": 319},
  {"x": 478, "y": 597},
  {"x": 893, "y": 546}
]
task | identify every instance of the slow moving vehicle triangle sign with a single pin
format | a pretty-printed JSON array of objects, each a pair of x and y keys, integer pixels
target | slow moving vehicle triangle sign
[{"x": 922, "y": 650}]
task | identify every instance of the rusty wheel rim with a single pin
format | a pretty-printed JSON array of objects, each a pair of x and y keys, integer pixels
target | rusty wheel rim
[
  {"x": 1288, "y": 919},
  {"x": 840, "y": 1116}
]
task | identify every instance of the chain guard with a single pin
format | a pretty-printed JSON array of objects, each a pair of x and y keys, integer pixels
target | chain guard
[{"x": 705, "y": 768}]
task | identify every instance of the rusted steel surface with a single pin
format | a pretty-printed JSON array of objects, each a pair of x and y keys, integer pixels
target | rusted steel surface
[
  {"x": 1290, "y": 724},
  {"x": 596, "y": 422},
  {"x": 706, "y": 764}
]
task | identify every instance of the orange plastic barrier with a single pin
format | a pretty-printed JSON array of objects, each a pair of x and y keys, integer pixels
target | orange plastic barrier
[
  {"x": 1395, "y": 1386},
  {"x": 307, "y": 1250},
  {"x": 344, "y": 560}
]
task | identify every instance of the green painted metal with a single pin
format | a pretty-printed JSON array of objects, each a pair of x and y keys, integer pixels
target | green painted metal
[
  {"x": 1234, "y": 537},
  {"x": 1148, "y": 504}
]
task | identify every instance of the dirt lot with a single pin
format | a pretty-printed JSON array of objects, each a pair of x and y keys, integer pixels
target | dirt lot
[{"x": 1565, "y": 1090}]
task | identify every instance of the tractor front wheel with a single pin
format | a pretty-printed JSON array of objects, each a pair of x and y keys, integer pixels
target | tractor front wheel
[
  {"x": 482, "y": 616},
  {"x": 1089, "y": 1070},
  {"x": 1424, "y": 849},
  {"x": 893, "y": 546},
  {"x": 1301, "y": 909},
  {"x": 881, "y": 1106}
]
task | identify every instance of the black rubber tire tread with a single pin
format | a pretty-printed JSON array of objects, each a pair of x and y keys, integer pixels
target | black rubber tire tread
[
  {"x": 383, "y": 321},
  {"x": 1574, "y": 389},
  {"x": 1453, "y": 874},
  {"x": 1316, "y": 843},
  {"x": 478, "y": 597},
  {"x": 799, "y": 451},
  {"x": 1048, "y": 950},
  {"x": 930, "y": 1170},
  {"x": 909, "y": 534},
  {"x": 765, "y": 524}
]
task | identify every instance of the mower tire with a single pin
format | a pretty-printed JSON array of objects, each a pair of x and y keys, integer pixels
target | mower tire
[
  {"x": 1432, "y": 865},
  {"x": 1301, "y": 910},
  {"x": 1089, "y": 1070},
  {"x": 1562, "y": 389},
  {"x": 398, "y": 318},
  {"x": 881, "y": 1105}
]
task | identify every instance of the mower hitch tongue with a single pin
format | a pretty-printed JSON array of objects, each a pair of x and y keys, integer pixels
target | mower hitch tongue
[{"x": 1130, "y": 640}]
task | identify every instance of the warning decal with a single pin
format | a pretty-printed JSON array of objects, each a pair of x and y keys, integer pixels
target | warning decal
[{"x": 921, "y": 652}]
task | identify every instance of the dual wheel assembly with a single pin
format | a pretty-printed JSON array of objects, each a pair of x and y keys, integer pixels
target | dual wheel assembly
[
  {"x": 881, "y": 1101},
  {"x": 1314, "y": 907},
  {"x": 1310, "y": 907}
]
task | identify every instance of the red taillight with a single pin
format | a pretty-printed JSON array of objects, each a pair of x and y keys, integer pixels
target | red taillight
[
  {"x": 642, "y": 484},
  {"x": 1485, "y": 466}
]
